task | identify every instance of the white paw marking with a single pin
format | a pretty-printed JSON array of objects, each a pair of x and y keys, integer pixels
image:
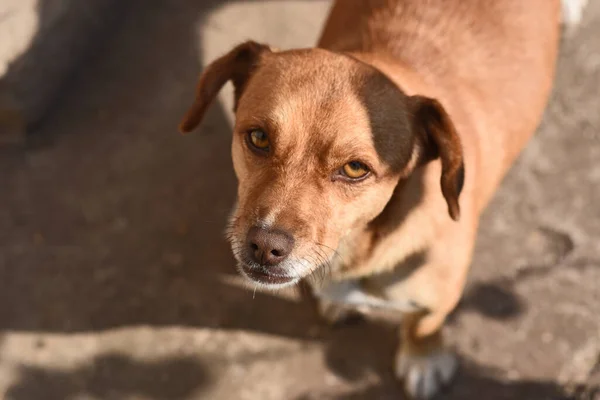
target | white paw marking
[
  {"x": 424, "y": 376},
  {"x": 572, "y": 12}
]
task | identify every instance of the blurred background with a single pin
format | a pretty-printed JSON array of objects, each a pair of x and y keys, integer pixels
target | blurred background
[{"x": 115, "y": 279}]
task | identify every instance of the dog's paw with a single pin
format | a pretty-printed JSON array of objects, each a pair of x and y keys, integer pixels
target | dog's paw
[{"x": 425, "y": 375}]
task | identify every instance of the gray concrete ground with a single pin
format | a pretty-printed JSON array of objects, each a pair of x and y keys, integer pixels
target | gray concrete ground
[{"x": 116, "y": 283}]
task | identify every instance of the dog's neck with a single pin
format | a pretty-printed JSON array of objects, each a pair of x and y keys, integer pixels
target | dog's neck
[{"x": 359, "y": 250}]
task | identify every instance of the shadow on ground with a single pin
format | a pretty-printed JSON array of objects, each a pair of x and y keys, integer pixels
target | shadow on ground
[
  {"x": 113, "y": 377},
  {"x": 115, "y": 219}
]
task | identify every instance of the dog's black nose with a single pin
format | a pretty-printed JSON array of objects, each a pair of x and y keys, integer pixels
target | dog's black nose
[{"x": 269, "y": 247}]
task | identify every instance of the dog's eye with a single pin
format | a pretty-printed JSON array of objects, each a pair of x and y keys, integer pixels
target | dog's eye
[
  {"x": 355, "y": 170},
  {"x": 259, "y": 140}
]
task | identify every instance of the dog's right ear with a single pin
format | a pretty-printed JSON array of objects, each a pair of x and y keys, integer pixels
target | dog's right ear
[
  {"x": 237, "y": 66},
  {"x": 438, "y": 138}
]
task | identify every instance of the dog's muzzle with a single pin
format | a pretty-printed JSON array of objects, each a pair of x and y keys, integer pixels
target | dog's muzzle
[{"x": 267, "y": 252}]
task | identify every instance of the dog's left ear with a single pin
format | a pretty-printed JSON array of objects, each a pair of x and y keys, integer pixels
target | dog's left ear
[
  {"x": 438, "y": 138},
  {"x": 237, "y": 66}
]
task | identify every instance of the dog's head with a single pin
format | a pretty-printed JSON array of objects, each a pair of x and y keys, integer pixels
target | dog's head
[{"x": 320, "y": 142}]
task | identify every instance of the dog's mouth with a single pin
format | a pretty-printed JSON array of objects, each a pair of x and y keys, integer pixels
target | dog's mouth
[{"x": 266, "y": 277}]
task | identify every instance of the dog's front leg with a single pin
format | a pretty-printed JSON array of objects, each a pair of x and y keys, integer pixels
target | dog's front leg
[{"x": 422, "y": 361}]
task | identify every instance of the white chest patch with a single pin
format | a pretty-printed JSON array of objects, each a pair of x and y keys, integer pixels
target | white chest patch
[{"x": 350, "y": 293}]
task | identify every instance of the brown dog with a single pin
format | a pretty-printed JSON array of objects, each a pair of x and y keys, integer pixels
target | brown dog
[{"x": 375, "y": 154}]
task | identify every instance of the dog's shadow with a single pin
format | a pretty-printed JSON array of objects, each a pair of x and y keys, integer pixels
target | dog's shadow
[{"x": 117, "y": 221}]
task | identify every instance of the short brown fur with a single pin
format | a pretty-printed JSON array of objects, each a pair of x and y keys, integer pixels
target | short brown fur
[{"x": 436, "y": 97}]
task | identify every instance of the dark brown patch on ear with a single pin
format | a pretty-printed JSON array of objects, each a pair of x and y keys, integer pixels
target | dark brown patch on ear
[
  {"x": 385, "y": 105},
  {"x": 237, "y": 66},
  {"x": 438, "y": 138}
]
